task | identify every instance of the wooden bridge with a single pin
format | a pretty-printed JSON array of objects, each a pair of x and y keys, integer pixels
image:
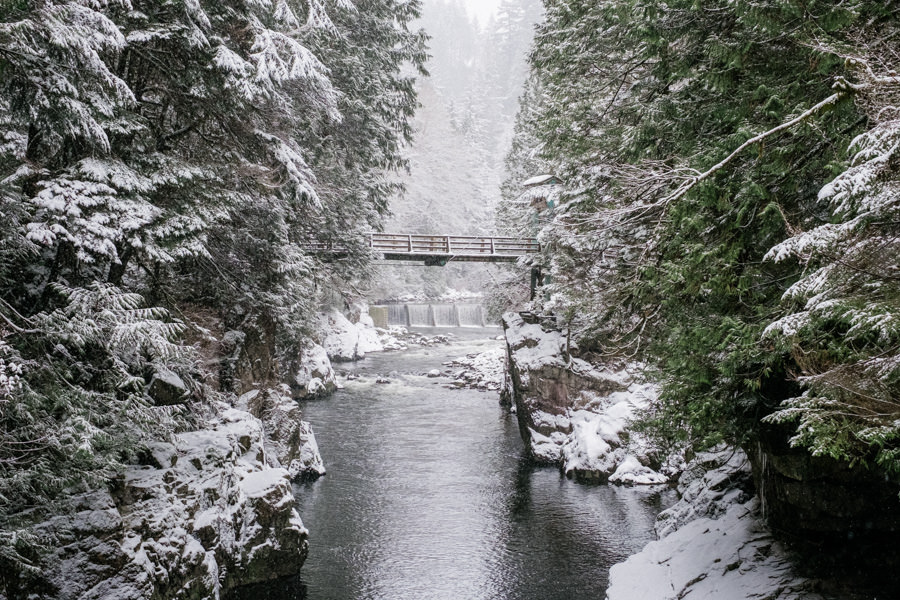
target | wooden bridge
[{"x": 438, "y": 250}]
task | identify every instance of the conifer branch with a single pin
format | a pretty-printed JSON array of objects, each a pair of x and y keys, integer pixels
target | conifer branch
[{"x": 691, "y": 183}]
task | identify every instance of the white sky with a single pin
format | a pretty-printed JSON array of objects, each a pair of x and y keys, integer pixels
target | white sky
[{"x": 481, "y": 9}]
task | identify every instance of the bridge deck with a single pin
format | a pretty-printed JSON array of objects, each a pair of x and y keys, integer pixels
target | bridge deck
[
  {"x": 441, "y": 249},
  {"x": 451, "y": 247}
]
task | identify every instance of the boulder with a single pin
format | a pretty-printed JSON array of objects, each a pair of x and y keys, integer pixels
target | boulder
[
  {"x": 313, "y": 374},
  {"x": 713, "y": 543},
  {"x": 289, "y": 441},
  {"x": 347, "y": 339},
  {"x": 166, "y": 388}
]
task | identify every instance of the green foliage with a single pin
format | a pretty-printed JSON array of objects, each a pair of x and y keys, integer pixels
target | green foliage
[
  {"x": 640, "y": 97},
  {"x": 79, "y": 410}
]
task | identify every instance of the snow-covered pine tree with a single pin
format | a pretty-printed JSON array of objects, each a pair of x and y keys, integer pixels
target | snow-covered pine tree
[
  {"x": 842, "y": 327},
  {"x": 373, "y": 57},
  {"x": 586, "y": 64},
  {"x": 663, "y": 226},
  {"x": 171, "y": 150}
]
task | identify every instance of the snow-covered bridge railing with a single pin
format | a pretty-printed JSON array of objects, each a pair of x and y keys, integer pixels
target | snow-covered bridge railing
[{"x": 441, "y": 249}]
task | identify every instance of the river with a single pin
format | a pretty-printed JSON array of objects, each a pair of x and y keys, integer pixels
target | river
[{"x": 428, "y": 496}]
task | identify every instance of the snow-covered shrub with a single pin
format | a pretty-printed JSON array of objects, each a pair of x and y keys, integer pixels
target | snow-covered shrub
[{"x": 10, "y": 372}]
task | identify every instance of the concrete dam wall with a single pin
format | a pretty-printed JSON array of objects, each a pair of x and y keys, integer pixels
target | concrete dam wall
[{"x": 428, "y": 315}]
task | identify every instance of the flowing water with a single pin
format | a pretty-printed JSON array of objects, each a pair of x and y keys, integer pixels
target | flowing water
[
  {"x": 444, "y": 315},
  {"x": 419, "y": 315},
  {"x": 397, "y": 315},
  {"x": 428, "y": 497},
  {"x": 434, "y": 315},
  {"x": 470, "y": 315}
]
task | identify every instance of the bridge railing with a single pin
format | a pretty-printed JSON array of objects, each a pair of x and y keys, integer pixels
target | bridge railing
[{"x": 452, "y": 244}]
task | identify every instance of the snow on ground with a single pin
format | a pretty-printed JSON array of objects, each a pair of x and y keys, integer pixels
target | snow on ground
[
  {"x": 448, "y": 296},
  {"x": 577, "y": 414},
  {"x": 713, "y": 544},
  {"x": 347, "y": 340},
  {"x": 214, "y": 510},
  {"x": 315, "y": 375},
  {"x": 342, "y": 339}
]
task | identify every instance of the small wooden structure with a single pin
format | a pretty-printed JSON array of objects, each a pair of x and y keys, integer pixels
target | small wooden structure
[
  {"x": 539, "y": 192},
  {"x": 438, "y": 250},
  {"x": 542, "y": 180},
  {"x": 441, "y": 249}
]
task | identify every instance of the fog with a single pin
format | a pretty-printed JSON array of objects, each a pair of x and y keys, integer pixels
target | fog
[{"x": 463, "y": 130}]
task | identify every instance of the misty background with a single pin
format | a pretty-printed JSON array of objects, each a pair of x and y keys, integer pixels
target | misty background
[{"x": 463, "y": 129}]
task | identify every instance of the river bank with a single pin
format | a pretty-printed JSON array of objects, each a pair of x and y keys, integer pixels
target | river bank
[
  {"x": 430, "y": 492},
  {"x": 715, "y": 542}
]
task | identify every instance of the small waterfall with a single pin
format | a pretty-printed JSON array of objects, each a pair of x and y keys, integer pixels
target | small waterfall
[
  {"x": 445, "y": 315},
  {"x": 470, "y": 315},
  {"x": 420, "y": 315},
  {"x": 397, "y": 315},
  {"x": 431, "y": 315}
]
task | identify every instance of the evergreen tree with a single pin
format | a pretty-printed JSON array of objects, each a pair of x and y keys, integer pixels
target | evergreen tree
[
  {"x": 173, "y": 154},
  {"x": 841, "y": 326},
  {"x": 692, "y": 139}
]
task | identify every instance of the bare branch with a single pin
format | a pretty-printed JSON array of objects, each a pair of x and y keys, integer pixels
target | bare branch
[{"x": 691, "y": 183}]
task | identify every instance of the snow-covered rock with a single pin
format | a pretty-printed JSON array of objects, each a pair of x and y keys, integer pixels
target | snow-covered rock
[
  {"x": 709, "y": 484},
  {"x": 167, "y": 388},
  {"x": 346, "y": 340},
  {"x": 482, "y": 370},
  {"x": 289, "y": 441},
  {"x": 314, "y": 374},
  {"x": 713, "y": 544},
  {"x": 369, "y": 340},
  {"x": 393, "y": 338},
  {"x": 340, "y": 337},
  {"x": 600, "y": 445},
  {"x": 574, "y": 414},
  {"x": 210, "y": 514}
]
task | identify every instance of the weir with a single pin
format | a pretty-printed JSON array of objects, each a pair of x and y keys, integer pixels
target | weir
[{"x": 428, "y": 315}]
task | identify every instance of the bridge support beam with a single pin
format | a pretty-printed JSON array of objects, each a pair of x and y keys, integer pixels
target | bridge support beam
[{"x": 537, "y": 280}]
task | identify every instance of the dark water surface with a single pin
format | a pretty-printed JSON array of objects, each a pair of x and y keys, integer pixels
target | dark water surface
[{"x": 428, "y": 496}]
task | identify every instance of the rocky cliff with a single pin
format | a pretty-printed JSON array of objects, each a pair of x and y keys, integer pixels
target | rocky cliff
[
  {"x": 209, "y": 510},
  {"x": 713, "y": 543},
  {"x": 849, "y": 515},
  {"x": 575, "y": 414}
]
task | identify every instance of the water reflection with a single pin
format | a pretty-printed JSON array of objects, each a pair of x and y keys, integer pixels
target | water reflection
[{"x": 428, "y": 496}]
